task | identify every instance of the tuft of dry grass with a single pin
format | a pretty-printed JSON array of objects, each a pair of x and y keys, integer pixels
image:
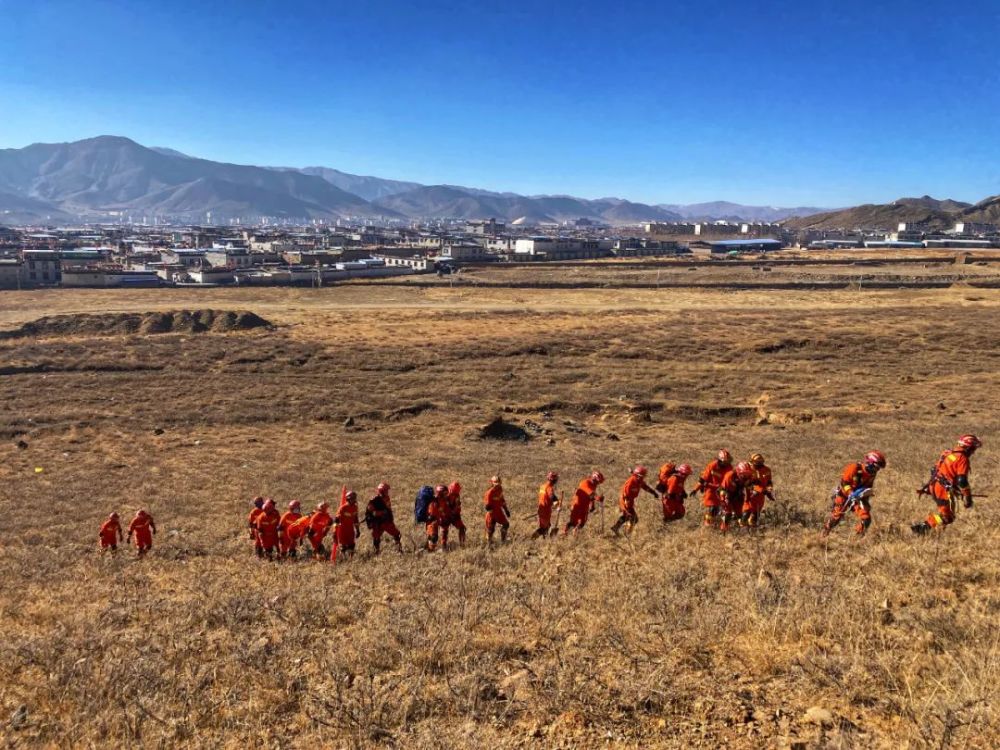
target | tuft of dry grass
[{"x": 675, "y": 637}]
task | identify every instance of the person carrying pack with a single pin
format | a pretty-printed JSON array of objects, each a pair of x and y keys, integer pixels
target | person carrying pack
[{"x": 949, "y": 481}]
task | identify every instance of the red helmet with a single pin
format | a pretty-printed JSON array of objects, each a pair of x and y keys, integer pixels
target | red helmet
[
  {"x": 875, "y": 458},
  {"x": 352, "y": 495},
  {"x": 969, "y": 442},
  {"x": 141, "y": 512},
  {"x": 724, "y": 457},
  {"x": 294, "y": 505},
  {"x": 258, "y": 502},
  {"x": 597, "y": 477},
  {"x": 743, "y": 470},
  {"x": 552, "y": 476},
  {"x": 382, "y": 488},
  {"x": 684, "y": 470},
  {"x": 495, "y": 479},
  {"x": 440, "y": 490},
  {"x": 323, "y": 506},
  {"x": 454, "y": 488},
  {"x": 269, "y": 503},
  {"x": 756, "y": 459},
  {"x": 640, "y": 471},
  {"x": 113, "y": 516}
]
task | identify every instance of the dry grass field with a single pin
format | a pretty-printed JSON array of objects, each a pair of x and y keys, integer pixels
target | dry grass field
[{"x": 675, "y": 637}]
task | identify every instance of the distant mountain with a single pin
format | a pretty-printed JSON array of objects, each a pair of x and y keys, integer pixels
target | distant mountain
[
  {"x": 724, "y": 210},
  {"x": 448, "y": 202},
  {"x": 19, "y": 209},
  {"x": 369, "y": 188},
  {"x": 986, "y": 211},
  {"x": 936, "y": 214},
  {"x": 168, "y": 151},
  {"x": 92, "y": 177}
]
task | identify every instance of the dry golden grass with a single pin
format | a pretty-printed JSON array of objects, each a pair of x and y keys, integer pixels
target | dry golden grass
[{"x": 673, "y": 638}]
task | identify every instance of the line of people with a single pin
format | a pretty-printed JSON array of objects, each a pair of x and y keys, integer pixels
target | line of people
[{"x": 732, "y": 496}]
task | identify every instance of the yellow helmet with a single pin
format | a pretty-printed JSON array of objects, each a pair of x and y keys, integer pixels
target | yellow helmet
[{"x": 756, "y": 459}]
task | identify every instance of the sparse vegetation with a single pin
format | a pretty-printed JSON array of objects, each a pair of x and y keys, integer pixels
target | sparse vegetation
[{"x": 672, "y": 638}]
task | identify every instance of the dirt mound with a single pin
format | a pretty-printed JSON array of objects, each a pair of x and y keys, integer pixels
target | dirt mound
[
  {"x": 500, "y": 429},
  {"x": 119, "y": 324}
]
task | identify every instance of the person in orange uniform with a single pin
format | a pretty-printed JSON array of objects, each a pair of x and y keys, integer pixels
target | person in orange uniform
[
  {"x": 734, "y": 491},
  {"x": 290, "y": 516},
  {"x": 761, "y": 488},
  {"x": 854, "y": 492},
  {"x": 709, "y": 483},
  {"x": 497, "y": 513},
  {"x": 267, "y": 528},
  {"x": 547, "y": 500},
  {"x": 320, "y": 522},
  {"x": 255, "y": 511},
  {"x": 143, "y": 527},
  {"x": 437, "y": 514},
  {"x": 110, "y": 533},
  {"x": 626, "y": 502},
  {"x": 585, "y": 499},
  {"x": 297, "y": 531},
  {"x": 663, "y": 476},
  {"x": 379, "y": 518},
  {"x": 674, "y": 495},
  {"x": 453, "y": 515},
  {"x": 949, "y": 481},
  {"x": 346, "y": 528}
]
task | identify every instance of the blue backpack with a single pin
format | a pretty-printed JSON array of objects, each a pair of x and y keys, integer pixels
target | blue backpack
[{"x": 423, "y": 503}]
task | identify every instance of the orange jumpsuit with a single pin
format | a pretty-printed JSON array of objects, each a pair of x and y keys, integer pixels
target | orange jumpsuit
[
  {"x": 452, "y": 517},
  {"x": 663, "y": 477},
  {"x": 379, "y": 518},
  {"x": 760, "y": 489},
  {"x": 297, "y": 531},
  {"x": 584, "y": 499},
  {"x": 319, "y": 524},
  {"x": 496, "y": 510},
  {"x": 626, "y": 502},
  {"x": 546, "y": 500},
  {"x": 110, "y": 534},
  {"x": 285, "y": 545},
  {"x": 252, "y": 523},
  {"x": 709, "y": 483},
  {"x": 267, "y": 530},
  {"x": 734, "y": 493},
  {"x": 951, "y": 480},
  {"x": 347, "y": 529},
  {"x": 143, "y": 527},
  {"x": 673, "y": 498},
  {"x": 854, "y": 477},
  {"x": 437, "y": 515}
]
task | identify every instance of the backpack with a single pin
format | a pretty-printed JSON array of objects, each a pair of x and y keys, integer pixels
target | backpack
[{"x": 423, "y": 503}]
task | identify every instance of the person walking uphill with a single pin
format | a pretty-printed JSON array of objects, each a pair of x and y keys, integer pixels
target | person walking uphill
[
  {"x": 453, "y": 515},
  {"x": 547, "y": 500},
  {"x": 346, "y": 527},
  {"x": 320, "y": 522},
  {"x": 674, "y": 495},
  {"x": 258, "y": 508},
  {"x": 380, "y": 520},
  {"x": 585, "y": 499},
  {"x": 734, "y": 493},
  {"x": 110, "y": 533},
  {"x": 626, "y": 503},
  {"x": 854, "y": 492},
  {"x": 437, "y": 511},
  {"x": 143, "y": 527},
  {"x": 709, "y": 483},
  {"x": 267, "y": 528},
  {"x": 761, "y": 488},
  {"x": 286, "y": 547},
  {"x": 949, "y": 481},
  {"x": 497, "y": 513}
]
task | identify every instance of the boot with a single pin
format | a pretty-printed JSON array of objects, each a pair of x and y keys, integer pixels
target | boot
[
  {"x": 503, "y": 534},
  {"x": 920, "y": 528}
]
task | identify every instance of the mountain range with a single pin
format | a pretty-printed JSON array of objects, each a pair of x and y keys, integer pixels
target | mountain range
[
  {"x": 928, "y": 211},
  {"x": 108, "y": 177}
]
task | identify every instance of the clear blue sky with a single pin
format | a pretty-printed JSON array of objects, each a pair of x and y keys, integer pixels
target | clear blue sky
[{"x": 822, "y": 103}]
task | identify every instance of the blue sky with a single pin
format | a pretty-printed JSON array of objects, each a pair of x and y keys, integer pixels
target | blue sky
[{"x": 789, "y": 103}]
